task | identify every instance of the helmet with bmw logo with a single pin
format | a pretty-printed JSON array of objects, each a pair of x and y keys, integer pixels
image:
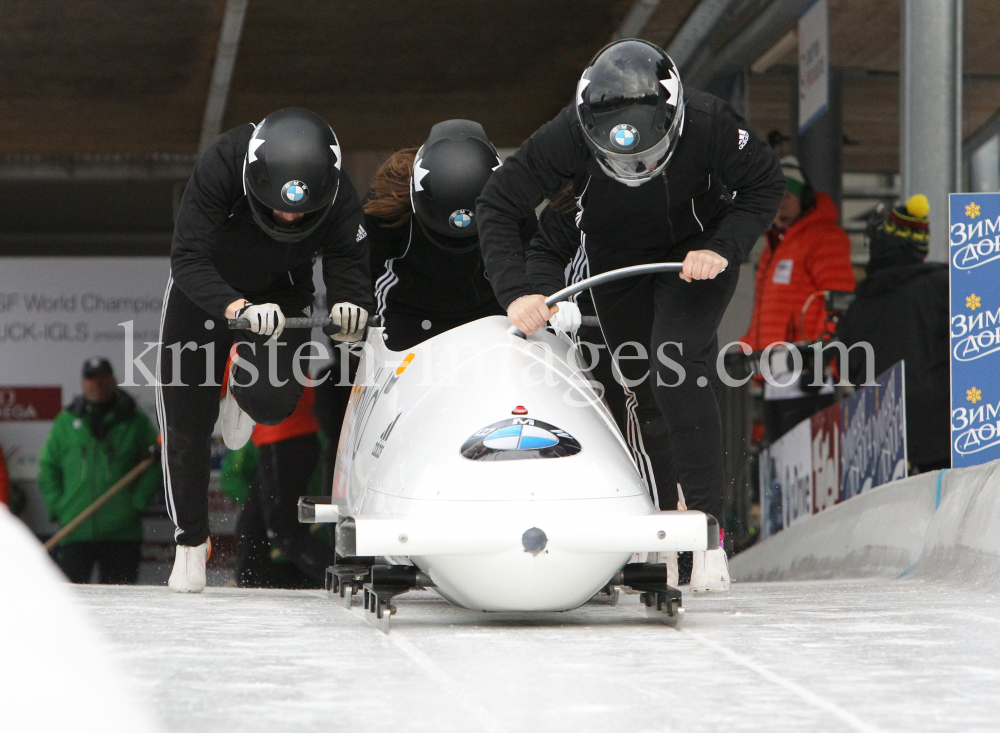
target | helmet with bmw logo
[
  {"x": 293, "y": 166},
  {"x": 630, "y": 103},
  {"x": 449, "y": 172}
]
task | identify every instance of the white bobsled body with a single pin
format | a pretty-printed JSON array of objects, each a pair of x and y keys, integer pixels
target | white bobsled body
[{"x": 438, "y": 468}]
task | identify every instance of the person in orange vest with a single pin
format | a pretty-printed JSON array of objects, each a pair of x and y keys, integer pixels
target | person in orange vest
[{"x": 807, "y": 253}]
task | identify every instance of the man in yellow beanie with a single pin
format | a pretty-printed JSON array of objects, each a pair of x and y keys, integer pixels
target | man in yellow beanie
[{"x": 902, "y": 310}]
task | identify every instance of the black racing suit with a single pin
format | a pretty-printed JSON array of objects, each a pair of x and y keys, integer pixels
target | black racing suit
[
  {"x": 423, "y": 289},
  {"x": 220, "y": 255},
  {"x": 555, "y": 258},
  {"x": 719, "y": 192}
]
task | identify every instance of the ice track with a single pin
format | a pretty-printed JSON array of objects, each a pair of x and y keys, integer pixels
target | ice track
[{"x": 806, "y": 656}]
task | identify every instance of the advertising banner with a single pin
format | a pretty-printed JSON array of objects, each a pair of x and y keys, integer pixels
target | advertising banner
[
  {"x": 873, "y": 435},
  {"x": 839, "y": 452},
  {"x": 55, "y": 313},
  {"x": 814, "y": 64},
  {"x": 786, "y": 472},
  {"x": 974, "y": 268},
  {"x": 825, "y": 427}
]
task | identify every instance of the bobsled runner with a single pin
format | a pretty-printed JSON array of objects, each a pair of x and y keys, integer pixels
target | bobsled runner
[{"x": 485, "y": 466}]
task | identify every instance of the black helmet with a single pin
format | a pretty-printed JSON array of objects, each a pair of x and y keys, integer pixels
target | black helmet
[
  {"x": 631, "y": 105},
  {"x": 449, "y": 172},
  {"x": 292, "y": 165}
]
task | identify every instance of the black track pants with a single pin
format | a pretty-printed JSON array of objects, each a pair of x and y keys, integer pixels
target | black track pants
[
  {"x": 651, "y": 312},
  {"x": 190, "y": 364},
  {"x": 283, "y": 474}
]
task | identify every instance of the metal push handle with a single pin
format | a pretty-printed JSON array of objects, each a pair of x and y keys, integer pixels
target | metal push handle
[{"x": 605, "y": 277}]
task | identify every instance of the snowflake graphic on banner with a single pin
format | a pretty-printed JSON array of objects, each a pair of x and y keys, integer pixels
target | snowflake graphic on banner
[
  {"x": 972, "y": 210},
  {"x": 973, "y": 395},
  {"x": 973, "y": 302}
]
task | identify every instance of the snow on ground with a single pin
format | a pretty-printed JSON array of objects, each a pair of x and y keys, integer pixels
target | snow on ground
[{"x": 806, "y": 656}]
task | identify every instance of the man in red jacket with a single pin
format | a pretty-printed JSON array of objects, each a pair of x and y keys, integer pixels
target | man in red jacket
[{"x": 807, "y": 253}]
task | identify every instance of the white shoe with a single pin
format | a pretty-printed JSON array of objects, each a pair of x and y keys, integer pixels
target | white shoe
[
  {"x": 710, "y": 572},
  {"x": 188, "y": 575},
  {"x": 237, "y": 426}
]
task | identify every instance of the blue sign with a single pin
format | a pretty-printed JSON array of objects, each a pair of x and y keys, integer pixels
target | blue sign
[
  {"x": 873, "y": 435},
  {"x": 974, "y": 267}
]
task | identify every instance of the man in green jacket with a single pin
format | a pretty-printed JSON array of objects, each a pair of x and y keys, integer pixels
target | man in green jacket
[{"x": 94, "y": 442}]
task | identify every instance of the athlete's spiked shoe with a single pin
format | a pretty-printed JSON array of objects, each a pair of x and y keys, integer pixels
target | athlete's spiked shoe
[{"x": 188, "y": 575}]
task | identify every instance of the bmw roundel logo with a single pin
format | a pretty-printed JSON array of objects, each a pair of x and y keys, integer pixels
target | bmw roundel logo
[
  {"x": 520, "y": 437},
  {"x": 461, "y": 219},
  {"x": 295, "y": 192},
  {"x": 624, "y": 136}
]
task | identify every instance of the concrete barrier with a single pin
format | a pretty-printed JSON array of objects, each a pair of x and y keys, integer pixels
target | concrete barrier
[{"x": 943, "y": 525}]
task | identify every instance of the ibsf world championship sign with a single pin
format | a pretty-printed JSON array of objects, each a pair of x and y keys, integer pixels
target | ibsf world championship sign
[{"x": 974, "y": 266}]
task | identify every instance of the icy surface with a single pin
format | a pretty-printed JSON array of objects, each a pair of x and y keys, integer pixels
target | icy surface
[{"x": 808, "y": 656}]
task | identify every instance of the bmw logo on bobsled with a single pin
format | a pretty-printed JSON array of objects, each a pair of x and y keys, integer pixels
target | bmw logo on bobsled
[
  {"x": 520, "y": 437},
  {"x": 427, "y": 491}
]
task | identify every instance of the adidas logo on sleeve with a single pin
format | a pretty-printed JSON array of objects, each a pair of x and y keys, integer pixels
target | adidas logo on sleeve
[{"x": 361, "y": 233}]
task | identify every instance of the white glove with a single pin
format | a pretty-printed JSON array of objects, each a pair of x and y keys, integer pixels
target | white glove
[
  {"x": 266, "y": 319},
  {"x": 351, "y": 320},
  {"x": 568, "y": 318}
]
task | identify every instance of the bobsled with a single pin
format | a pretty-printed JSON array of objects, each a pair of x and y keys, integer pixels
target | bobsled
[{"x": 484, "y": 465}]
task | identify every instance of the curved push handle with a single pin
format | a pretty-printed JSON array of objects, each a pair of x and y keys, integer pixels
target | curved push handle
[{"x": 605, "y": 277}]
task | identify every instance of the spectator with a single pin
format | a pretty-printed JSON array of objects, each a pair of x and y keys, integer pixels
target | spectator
[
  {"x": 806, "y": 253},
  {"x": 94, "y": 442},
  {"x": 902, "y": 310}
]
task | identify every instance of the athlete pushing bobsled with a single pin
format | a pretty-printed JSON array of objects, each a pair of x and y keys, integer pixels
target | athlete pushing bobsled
[
  {"x": 661, "y": 175},
  {"x": 425, "y": 256},
  {"x": 263, "y": 202},
  {"x": 427, "y": 269}
]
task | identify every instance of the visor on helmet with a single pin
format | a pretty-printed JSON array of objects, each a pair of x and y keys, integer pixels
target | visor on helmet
[
  {"x": 266, "y": 221},
  {"x": 634, "y": 169},
  {"x": 452, "y": 245}
]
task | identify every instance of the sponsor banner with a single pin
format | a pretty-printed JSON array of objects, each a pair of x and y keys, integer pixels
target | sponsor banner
[
  {"x": 825, "y": 430},
  {"x": 56, "y": 312},
  {"x": 974, "y": 269},
  {"x": 873, "y": 435},
  {"x": 839, "y": 452},
  {"x": 24, "y": 404},
  {"x": 787, "y": 480},
  {"x": 814, "y": 64}
]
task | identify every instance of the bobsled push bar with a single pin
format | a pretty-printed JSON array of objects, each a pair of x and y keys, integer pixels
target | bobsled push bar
[
  {"x": 425, "y": 536},
  {"x": 605, "y": 277},
  {"x": 243, "y": 324}
]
